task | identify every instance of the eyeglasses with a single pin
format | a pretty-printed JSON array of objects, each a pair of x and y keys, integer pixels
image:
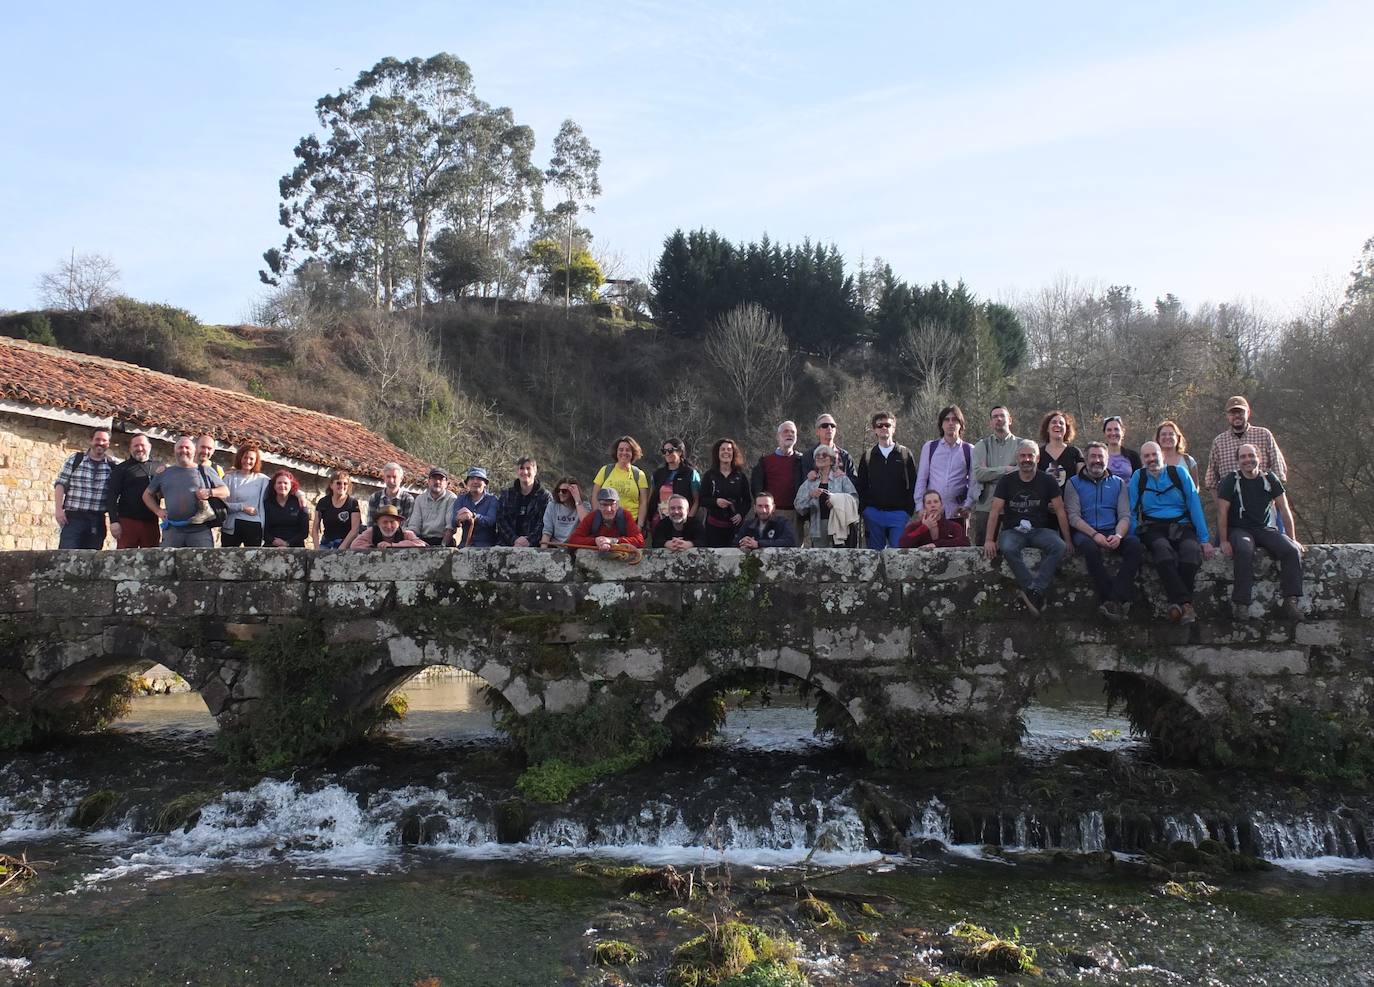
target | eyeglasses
[
  {"x": 826, "y": 425},
  {"x": 666, "y": 450}
]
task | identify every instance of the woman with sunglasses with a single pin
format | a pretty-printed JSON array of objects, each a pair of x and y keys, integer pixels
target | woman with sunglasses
[
  {"x": 1121, "y": 461},
  {"x": 566, "y": 508},
  {"x": 676, "y": 476}
]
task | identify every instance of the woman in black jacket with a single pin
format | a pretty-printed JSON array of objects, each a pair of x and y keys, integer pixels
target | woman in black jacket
[
  {"x": 725, "y": 494},
  {"x": 285, "y": 518}
]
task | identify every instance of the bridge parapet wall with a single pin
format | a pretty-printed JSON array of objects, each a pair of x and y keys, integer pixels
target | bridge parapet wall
[{"x": 906, "y": 643}]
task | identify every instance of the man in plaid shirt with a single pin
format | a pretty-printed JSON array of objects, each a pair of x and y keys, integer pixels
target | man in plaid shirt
[
  {"x": 79, "y": 494},
  {"x": 1224, "y": 460}
]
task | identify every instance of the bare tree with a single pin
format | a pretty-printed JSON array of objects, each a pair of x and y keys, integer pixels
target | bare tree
[
  {"x": 748, "y": 348},
  {"x": 80, "y": 283},
  {"x": 929, "y": 351},
  {"x": 679, "y": 412}
]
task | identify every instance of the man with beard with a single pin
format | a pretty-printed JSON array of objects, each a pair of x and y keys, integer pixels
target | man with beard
[{"x": 1100, "y": 516}]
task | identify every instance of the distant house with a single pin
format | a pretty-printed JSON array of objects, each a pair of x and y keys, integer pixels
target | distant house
[{"x": 51, "y": 399}]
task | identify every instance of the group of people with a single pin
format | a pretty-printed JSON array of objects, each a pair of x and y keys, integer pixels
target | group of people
[{"x": 1003, "y": 493}]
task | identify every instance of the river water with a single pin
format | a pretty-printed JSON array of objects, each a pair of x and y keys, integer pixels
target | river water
[{"x": 394, "y": 863}]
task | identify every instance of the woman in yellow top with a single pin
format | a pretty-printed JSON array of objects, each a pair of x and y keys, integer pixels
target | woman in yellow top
[{"x": 626, "y": 479}]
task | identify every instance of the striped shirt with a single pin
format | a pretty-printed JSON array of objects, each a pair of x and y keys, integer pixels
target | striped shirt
[
  {"x": 85, "y": 482},
  {"x": 1225, "y": 460}
]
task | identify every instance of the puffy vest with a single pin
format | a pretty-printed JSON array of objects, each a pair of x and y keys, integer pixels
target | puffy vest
[{"x": 1097, "y": 501}]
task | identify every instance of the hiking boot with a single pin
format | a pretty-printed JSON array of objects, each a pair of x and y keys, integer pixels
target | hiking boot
[
  {"x": 1240, "y": 611},
  {"x": 1028, "y": 598},
  {"x": 1112, "y": 611},
  {"x": 1289, "y": 610},
  {"x": 1175, "y": 613},
  {"x": 1189, "y": 614}
]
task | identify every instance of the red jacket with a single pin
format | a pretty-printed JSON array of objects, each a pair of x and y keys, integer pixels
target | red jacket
[
  {"x": 950, "y": 535},
  {"x": 582, "y": 534}
]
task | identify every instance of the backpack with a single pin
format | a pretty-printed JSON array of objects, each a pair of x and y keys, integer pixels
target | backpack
[
  {"x": 1174, "y": 482},
  {"x": 932, "y": 445},
  {"x": 621, "y": 523}
]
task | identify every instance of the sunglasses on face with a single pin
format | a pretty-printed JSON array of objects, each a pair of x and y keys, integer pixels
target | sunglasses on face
[
  {"x": 826, "y": 425},
  {"x": 668, "y": 450}
]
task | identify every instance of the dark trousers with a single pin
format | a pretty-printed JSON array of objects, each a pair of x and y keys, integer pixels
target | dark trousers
[
  {"x": 134, "y": 533},
  {"x": 1177, "y": 556},
  {"x": 1243, "y": 543},
  {"x": 84, "y": 529},
  {"x": 246, "y": 534},
  {"x": 1111, "y": 590}
]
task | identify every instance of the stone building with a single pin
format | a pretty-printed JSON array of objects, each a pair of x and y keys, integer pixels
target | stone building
[{"x": 51, "y": 399}]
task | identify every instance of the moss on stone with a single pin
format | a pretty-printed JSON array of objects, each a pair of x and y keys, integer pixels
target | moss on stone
[
  {"x": 183, "y": 812},
  {"x": 728, "y": 950},
  {"x": 908, "y": 740},
  {"x": 300, "y": 716},
  {"x": 104, "y": 702},
  {"x": 614, "y": 952},
  {"x": 91, "y": 811},
  {"x": 980, "y": 951}
]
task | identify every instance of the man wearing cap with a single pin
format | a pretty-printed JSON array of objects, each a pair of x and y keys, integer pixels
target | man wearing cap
[
  {"x": 431, "y": 517},
  {"x": 476, "y": 510},
  {"x": 386, "y": 531},
  {"x": 608, "y": 525},
  {"x": 1224, "y": 459}
]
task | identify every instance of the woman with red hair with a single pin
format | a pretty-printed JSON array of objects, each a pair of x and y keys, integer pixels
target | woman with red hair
[{"x": 285, "y": 518}]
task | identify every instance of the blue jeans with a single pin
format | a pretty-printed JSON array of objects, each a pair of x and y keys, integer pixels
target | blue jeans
[
  {"x": 1012, "y": 542},
  {"x": 884, "y": 528},
  {"x": 84, "y": 529}
]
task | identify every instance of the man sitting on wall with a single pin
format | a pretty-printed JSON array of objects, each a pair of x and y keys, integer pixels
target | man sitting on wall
[
  {"x": 1249, "y": 502},
  {"x": 385, "y": 531},
  {"x": 1023, "y": 503},
  {"x": 609, "y": 525},
  {"x": 677, "y": 532},
  {"x": 766, "y": 528},
  {"x": 1100, "y": 516}
]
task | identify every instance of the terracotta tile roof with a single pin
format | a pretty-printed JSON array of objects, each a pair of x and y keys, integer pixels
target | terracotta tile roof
[{"x": 135, "y": 396}]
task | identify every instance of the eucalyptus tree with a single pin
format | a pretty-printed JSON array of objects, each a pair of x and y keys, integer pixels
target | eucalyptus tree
[
  {"x": 573, "y": 170},
  {"x": 404, "y": 148}
]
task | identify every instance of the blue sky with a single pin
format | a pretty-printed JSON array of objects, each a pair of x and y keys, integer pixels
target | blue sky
[{"x": 1220, "y": 151}]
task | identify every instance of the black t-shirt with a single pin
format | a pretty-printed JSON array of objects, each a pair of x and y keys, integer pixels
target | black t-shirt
[
  {"x": 664, "y": 531},
  {"x": 335, "y": 520},
  {"x": 1026, "y": 501},
  {"x": 1258, "y": 503},
  {"x": 1067, "y": 465}
]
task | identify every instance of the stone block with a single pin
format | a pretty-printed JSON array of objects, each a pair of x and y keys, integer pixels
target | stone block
[
  {"x": 938, "y": 565},
  {"x": 404, "y": 652},
  {"x": 351, "y": 597},
  {"x": 241, "y": 599},
  {"x": 517, "y": 693},
  {"x": 866, "y": 601},
  {"x": 786, "y": 659},
  {"x": 142, "y": 565},
  {"x": 691, "y": 679},
  {"x": 698, "y": 565},
  {"x": 905, "y": 696},
  {"x": 461, "y": 654},
  {"x": 359, "y": 630},
  {"x": 285, "y": 564},
  {"x": 641, "y": 664},
  {"x": 1246, "y": 661},
  {"x": 380, "y": 564},
  {"x": 530, "y": 565},
  {"x": 467, "y": 565},
  {"x": 545, "y": 597},
  {"x": 565, "y": 694},
  {"x": 165, "y": 600},
  {"x": 1326, "y": 633},
  {"x": 809, "y": 566},
  {"x": 75, "y": 599},
  {"x": 17, "y": 598},
  {"x": 861, "y": 643}
]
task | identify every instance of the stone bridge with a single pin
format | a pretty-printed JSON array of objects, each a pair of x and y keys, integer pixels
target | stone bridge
[{"x": 920, "y": 657}]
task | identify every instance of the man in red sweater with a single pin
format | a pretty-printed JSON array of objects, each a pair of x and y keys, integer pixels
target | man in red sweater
[
  {"x": 608, "y": 525},
  {"x": 780, "y": 473}
]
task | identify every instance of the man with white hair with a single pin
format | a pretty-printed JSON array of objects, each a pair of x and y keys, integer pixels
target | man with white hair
[
  {"x": 1023, "y": 503},
  {"x": 1247, "y": 500},
  {"x": 780, "y": 472},
  {"x": 1170, "y": 524},
  {"x": 391, "y": 493}
]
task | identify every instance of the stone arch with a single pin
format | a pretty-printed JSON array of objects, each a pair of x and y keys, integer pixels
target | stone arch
[{"x": 694, "y": 713}]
